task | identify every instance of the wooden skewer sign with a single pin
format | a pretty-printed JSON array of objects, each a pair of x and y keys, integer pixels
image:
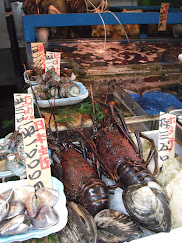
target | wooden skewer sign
[
  {"x": 166, "y": 139},
  {"x": 163, "y": 16},
  {"x": 24, "y": 109},
  {"x": 35, "y": 147}
]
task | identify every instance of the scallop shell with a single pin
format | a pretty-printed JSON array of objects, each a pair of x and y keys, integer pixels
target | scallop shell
[
  {"x": 114, "y": 226},
  {"x": 148, "y": 205},
  {"x": 80, "y": 227}
]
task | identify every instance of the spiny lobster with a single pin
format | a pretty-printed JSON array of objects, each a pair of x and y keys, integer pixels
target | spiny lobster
[
  {"x": 120, "y": 159},
  {"x": 81, "y": 182}
]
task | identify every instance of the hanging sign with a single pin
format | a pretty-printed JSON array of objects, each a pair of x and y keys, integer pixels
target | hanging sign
[
  {"x": 53, "y": 61},
  {"x": 163, "y": 16},
  {"x": 38, "y": 54},
  {"x": 166, "y": 139},
  {"x": 24, "y": 109},
  {"x": 35, "y": 147}
]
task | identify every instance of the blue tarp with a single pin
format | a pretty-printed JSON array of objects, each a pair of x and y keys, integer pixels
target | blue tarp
[{"x": 154, "y": 102}]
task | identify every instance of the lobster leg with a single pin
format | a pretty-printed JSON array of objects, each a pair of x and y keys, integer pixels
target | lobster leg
[{"x": 152, "y": 153}]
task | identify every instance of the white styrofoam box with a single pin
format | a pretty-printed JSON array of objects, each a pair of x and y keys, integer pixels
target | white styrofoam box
[
  {"x": 154, "y": 135},
  {"x": 175, "y": 235}
]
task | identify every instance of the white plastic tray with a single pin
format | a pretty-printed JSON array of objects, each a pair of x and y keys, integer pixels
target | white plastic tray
[
  {"x": 63, "y": 101},
  {"x": 60, "y": 207}
]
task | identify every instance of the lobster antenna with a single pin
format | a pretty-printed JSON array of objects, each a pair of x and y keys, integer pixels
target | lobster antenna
[
  {"x": 94, "y": 118},
  {"x": 35, "y": 98}
]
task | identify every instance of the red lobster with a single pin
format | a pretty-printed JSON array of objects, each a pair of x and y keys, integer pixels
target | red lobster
[
  {"x": 120, "y": 159},
  {"x": 81, "y": 182}
]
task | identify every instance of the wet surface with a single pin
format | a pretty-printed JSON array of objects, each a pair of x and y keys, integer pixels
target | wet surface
[{"x": 88, "y": 53}]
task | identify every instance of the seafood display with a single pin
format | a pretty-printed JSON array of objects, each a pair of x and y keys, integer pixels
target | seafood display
[
  {"x": 88, "y": 54},
  {"x": 170, "y": 180},
  {"x": 120, "y": 155},
  {"x": 148, "y": 205},
  {"x": 81, "y": 182},
  {"x": 122, "y": 161},
  {"x": 51, "y": 86},
  {"x": 12, "y": 152},
  {"x": 13, "y": 209},
  {"x": 37, "y": 75},
  {"x": 80, "y": 227},
  {"x": 114, "y": 226}
]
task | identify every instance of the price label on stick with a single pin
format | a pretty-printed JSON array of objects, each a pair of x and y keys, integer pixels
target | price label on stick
[
  {"x": 53, "y": 61},
  {"x": 35, "y": 147},
  {"x": 24, "y": 109},
  {"x": 166, "y": 139},
  {"x": 38, "y": 54},
  {"x": 163, "y": 16}
]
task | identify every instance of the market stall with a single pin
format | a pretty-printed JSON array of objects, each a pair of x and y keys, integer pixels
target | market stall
[{"x": 97, "y": 134}]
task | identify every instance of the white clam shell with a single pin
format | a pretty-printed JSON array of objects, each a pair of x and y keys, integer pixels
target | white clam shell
[{"x": 45, "y": 218}]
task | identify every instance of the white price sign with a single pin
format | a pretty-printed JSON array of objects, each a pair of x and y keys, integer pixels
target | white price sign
[
  {"x": 53, "y": 61},
  {"x": 37, "y": 159},
  {"x": 24, "y": 109},
  {"x": 166, "y": 139}
]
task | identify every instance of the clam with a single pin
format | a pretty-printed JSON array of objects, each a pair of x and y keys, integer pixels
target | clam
[
  {"x": 7, "y": 195},
  {"x": 15, "y": 208},
  {"x": 73, "y": 90},
  {"x": 4, "y": 208},
  {"x": 47, "y": 196},
  {"x": 148, "y": 205},
  {"x": 80, "y": 227},
  {"x": 114, "y": 226},
  {"x": 17, "y": 225},
  {"x": 2, "y": 223},
  {"x": 21, "y": 193},
  {"x": 32, "y": 204},
  {"x": 45, "y": 218}
]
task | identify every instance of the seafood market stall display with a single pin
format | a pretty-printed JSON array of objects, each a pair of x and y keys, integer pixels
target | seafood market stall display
[{"x": 114, "y": 177}]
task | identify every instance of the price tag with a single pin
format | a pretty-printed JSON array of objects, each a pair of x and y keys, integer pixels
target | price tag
[
  {"x": 38, "y": 54},
  {"x": 166, "y": 139},
  {"x": 53, "y": 61},
  {"x": 163, "y": 16},
  {"x": 35, "y": 147},
  {"x": 24, "y": 109}
]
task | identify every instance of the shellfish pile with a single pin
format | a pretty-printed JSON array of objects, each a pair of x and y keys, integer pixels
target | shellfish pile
[
  {"x": 12, "y": 154},
  {"x": 50, "y": 86},
  {"x": 22, "y": 208}
]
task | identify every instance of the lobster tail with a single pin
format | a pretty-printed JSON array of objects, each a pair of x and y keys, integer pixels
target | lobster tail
[
  {"x": 130, "y": 172},
  {"x": 94, "y": 195}
]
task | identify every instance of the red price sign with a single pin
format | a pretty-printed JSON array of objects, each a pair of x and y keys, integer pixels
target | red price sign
[
  {"x": 35, "y": 147},
  {"x": 163, "y": 16},
  {"x": 38, "y": 54}
]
